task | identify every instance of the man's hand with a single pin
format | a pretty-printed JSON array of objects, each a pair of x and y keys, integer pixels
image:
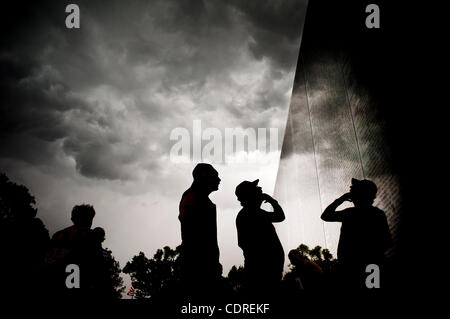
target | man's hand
[
  {"x": 268, "y": 199},
  {"x": 347, "y": 197},
  {"x": 277, "y": 215},
  {"x": 330, "y": 214}
]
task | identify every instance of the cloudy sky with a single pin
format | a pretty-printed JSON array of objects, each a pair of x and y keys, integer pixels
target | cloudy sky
[{"x": 86, "y": 114}]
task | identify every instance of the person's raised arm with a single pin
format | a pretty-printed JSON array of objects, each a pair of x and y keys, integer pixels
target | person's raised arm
[
  {"x": 278, "y": 214},
  {"x": 330, "y": 214}
]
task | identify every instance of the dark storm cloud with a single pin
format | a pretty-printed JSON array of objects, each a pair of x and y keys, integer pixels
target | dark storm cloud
[
  {"x": 278, "y": 28},
  {"x": 86, "y": 115},
  {"x": 108, "y": 94}
]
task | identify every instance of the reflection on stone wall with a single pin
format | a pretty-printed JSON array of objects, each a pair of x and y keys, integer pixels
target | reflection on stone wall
[{"x": 335, "y": 131}]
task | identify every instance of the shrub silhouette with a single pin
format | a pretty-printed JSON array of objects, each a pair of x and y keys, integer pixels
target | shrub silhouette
[{"x": 152, "y": 277}]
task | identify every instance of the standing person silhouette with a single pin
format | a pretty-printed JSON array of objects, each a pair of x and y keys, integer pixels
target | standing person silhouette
[
  {"x": 257, "y": 237},
  {"x": 72, "y": 245},
  {"x": 201, "y": 269},
  {"x": 365, "y": 234}
]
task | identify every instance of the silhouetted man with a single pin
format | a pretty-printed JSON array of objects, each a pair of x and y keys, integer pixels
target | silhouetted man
[
  {"x": 263, "y": 252},
  {"x": 72, "y": 245},
  {"x": 77, "y": 234},
  {"x": 201, "y": 268},
  {"x": 365, "y": 232}
]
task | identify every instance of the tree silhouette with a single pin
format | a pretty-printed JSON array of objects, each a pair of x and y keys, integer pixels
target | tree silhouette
[
  {"x": 153, "y": 277},
  {"x": 322, "y": 257},
  {"x": 115, "y": 282},
  {"x": 16, "y": 202},
  {"x": 315, "y": 268},
  {"x": 23, "y": 238}
]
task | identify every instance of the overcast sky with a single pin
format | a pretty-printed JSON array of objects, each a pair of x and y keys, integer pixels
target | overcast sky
[{"x": 86, "y": 114}]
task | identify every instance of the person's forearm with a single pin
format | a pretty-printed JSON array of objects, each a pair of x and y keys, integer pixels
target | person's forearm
[
  {"x": 277, "y": 211},
  {"x": 329, "y": 213}
]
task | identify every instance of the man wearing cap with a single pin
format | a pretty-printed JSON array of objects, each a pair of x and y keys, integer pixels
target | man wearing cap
[
  {"x": 201, "y": 268},
  {"x": 263, "y": 252},
  {"x": 365, "y": 234}
]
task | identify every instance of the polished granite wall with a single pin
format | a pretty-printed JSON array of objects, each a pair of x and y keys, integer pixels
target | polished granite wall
[{"x": 336, "y": 127}]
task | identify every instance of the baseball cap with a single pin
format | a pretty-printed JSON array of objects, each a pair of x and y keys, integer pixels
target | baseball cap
[{"x": 245, "y": 188}]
